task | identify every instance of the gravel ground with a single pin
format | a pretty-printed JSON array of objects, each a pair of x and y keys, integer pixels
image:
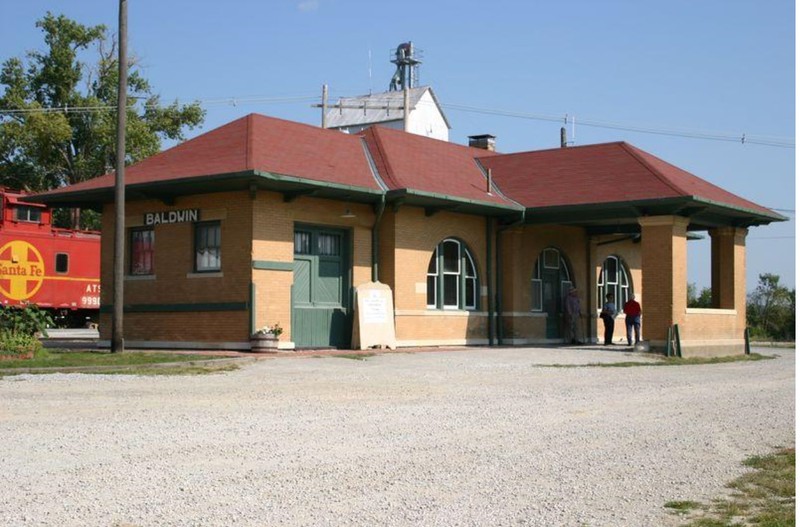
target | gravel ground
[{"x": 471, "y": 437}]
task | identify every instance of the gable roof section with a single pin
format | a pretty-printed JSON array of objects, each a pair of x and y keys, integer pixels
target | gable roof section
[
  {"x": 375, "y": 111},
  {"x": 416, "y": 165},
  {"x": 254, "y": 145},
  {"x": 608, "y": 173}
]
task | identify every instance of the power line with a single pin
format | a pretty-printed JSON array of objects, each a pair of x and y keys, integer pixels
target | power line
[
  {"x": 566, "y": 119},
  {"x": 231, "y": 101}
]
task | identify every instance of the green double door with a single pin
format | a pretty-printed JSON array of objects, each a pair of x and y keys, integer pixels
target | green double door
[{"x": 321, "y": 315}]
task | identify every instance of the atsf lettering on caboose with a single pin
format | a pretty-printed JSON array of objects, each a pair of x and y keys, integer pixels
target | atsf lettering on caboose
[{"x": 56, "y": 269}]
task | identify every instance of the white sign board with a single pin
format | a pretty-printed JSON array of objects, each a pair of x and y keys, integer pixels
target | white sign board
[{"x": 373, "y": 321}]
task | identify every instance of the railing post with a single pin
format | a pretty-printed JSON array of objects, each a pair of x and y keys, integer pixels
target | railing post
[
  {"x": 678, "y": 342},
  {"x": 747, "y": 341},
  {"x": 669, "y": 342}
]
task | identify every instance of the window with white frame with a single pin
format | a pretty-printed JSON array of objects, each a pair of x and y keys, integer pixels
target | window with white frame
[
  {"x": 452, "y": 281},
  {"x": 207, "y": 246},
  {"x": 614, "y": 279},
  {"x": 28, "y": 214}
]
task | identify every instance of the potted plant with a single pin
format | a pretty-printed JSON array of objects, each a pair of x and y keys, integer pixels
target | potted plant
[{"x": 266, "y": 339}]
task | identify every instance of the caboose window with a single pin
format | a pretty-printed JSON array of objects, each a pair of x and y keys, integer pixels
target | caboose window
[
  {"x": 31, "y": 214},
  {"x": 143, "y": 244},
  {"x": 207, "y": 245},
  {"x": 62, "y": 263}
]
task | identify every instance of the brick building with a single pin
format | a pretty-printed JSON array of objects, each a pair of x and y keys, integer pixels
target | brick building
[{"x": 266, "y": 221}]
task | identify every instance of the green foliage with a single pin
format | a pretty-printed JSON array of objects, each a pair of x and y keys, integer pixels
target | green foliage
[
  {"x": 771, "y": 310},
  {"x": 128, "y": 363},
  {"x": 19, "y": 344},
  {"x": 703, "y": 300},
  {"x": 683, "y": 506},
  {"x": 42, "y": 149},
  {"x": 28, "y": 320},
  {"x": 763, "y": 497}
]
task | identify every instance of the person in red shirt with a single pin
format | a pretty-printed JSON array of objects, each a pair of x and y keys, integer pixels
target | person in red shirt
[{"x": 633, "y": 319}]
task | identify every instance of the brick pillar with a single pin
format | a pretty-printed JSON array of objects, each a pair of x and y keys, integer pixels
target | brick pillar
[
  {"x": 663, "y": 274},
  {"x": 728, "y": 283}
]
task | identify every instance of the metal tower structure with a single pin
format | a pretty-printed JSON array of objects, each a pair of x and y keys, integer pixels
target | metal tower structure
[{"x": 407, "y": 73}]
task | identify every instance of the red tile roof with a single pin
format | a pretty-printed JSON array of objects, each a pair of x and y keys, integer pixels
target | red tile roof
[
  {"x": 254, "y": 142},
  {"x": 602, "y": 173},
  {"x": 594, "y": 174},
  {"x": 408, "y": 161}
]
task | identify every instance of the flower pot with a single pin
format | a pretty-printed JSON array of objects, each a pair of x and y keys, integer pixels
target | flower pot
[{"x": 264, "y": 343}]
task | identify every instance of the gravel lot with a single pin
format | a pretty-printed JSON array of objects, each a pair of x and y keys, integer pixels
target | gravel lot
[{"x": 475, "y": 437}]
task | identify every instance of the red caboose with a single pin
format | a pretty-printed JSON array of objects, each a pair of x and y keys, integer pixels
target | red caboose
[{"x": 56, "y": 269}]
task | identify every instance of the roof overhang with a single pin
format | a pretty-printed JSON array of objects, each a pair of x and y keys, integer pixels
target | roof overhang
[{"x": 623, "y": 217}]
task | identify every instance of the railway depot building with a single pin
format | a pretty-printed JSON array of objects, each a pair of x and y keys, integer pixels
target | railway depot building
[{"x": 265, "y": 221}]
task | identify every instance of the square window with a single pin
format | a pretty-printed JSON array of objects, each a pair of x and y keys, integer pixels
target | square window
[
  {"x": 328, "y": 244},
  {"x": 302, "y": 242},
  {"x": 207, "y": 247},
  {"x": 29, "y": 214},
  {"x": 451, "y": 290},
  {"x": 142, "y": 251},
  {"x": 62, "y": 263}
]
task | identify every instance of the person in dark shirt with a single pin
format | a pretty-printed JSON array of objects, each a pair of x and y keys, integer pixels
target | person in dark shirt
[
  {"x": 572, "y": 307},
  {"x": 633, "y": 319},
  {"x": 608, "y": 314}
]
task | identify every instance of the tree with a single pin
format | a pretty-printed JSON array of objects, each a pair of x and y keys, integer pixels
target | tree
[
  {"x": 771, "y": 309},
  {"x": 58, "y": 115},
  {"x": 694, "y": 300}
]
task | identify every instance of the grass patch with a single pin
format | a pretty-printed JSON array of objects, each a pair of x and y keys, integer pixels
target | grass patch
[
  {"x": 355, "y": 356},
  {"x": 666, "y": 361},
  {"x": 195, "y": 369},
  {"x": 764, "y": 497},
  {"x": 56, "y": 360},
  {"x": 683, "y": 507}
]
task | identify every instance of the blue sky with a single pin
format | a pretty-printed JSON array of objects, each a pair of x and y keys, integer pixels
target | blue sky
[{"x": 720, "y": 66}]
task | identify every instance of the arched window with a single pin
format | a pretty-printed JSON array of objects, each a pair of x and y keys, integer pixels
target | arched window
[
  {"x": 615, "y": 279},
  {"x": 452, "y": 280}
]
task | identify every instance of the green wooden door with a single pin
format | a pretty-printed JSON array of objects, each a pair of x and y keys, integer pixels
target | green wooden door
[
  {"x": 320, "y": 292},
  {"x": 552, "y": 278},
  {"x": 551, "y": 301}
]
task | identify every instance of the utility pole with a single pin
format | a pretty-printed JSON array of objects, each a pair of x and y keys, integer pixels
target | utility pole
[
  {"x": 406, "y": 109},
  {"x": 324, "y": 105},
  {"x": 117, "y": 336}
]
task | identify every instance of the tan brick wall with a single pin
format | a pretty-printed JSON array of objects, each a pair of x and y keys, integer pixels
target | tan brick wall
[
  {"x": 521, "y": 247},
  {"x": 386, "y": 243},
  {"x": 273, "y": 240},
  {"x": 174, "y": 281},
  {"x": 664, "y": 273},
  {"x": 524, "y": 327},
  {"x": 416, "y": 237},
  {"x": 426, "y": 329},
  {"x": 186, "y": 327}
]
